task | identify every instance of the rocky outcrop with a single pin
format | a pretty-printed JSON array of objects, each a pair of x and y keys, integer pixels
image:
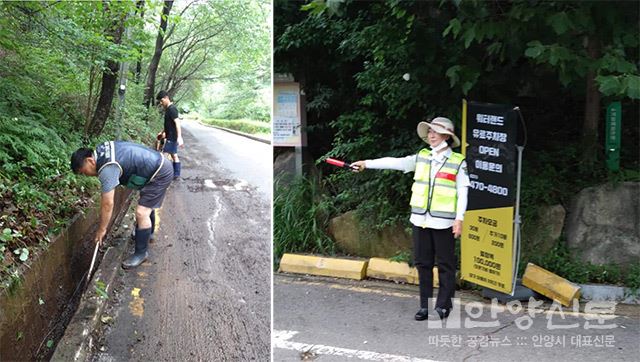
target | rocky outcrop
[
  {"x": 356, "y": 239},
  {"x": 603, "y": 224}
]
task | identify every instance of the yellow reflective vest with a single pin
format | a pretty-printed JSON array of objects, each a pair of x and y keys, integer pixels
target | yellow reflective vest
[{"x": 441, "y": 200}]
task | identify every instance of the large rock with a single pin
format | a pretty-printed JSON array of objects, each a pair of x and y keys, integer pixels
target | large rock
[
  {"x": 603, "y": 224},
  {"x": 546, "y": 229},
  {"x": 355, "y": 239}
]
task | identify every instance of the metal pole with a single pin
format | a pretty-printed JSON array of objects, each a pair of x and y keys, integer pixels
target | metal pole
[
  {"x": 298, "y": 160},
  {"x": 516, "y": 225}
]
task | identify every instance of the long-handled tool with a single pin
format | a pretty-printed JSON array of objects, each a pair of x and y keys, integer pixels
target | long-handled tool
[
  {"x": 338, "y": 163},
  {"x": 93, "y": 260}
]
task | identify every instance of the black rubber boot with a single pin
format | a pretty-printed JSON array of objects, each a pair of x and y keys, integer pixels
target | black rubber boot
[
  {"x": 176, "y": 170},
  {"x": 140, "y": 254},
  {"x": 152, "y": 216}
]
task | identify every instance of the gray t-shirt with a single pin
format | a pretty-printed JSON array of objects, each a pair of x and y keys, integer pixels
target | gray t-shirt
[{"x": 109, "y": 177}]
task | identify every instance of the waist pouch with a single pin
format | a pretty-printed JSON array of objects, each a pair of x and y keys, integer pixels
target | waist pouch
[{"x": 137, "y": 182}]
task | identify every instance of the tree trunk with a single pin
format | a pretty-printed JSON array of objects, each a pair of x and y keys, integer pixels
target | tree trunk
[
  {"x": 109, "y": 80},
  {"x": 90, "y": 97},
  {"x": 138, "y": 71},
  {"x": 589, "y": 139},
  {"x": 149, "y": 89}
]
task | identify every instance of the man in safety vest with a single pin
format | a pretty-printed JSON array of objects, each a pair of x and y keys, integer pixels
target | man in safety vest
[
  {"x": 438, "y": 203},
  {"x": 136, "y": 167}
]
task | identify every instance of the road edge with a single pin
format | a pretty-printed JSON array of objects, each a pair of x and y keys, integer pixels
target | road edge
[{"x": 247, "y": 135}]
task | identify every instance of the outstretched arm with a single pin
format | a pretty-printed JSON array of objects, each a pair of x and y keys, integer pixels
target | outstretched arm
[{"x": 406, "y": 164}]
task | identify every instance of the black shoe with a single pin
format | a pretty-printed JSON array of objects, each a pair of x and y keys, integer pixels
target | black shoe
[
  {"x": 422, "y": 314},
  {"x": 134, "y": 260},
  {"x": 443, "y": 312}
]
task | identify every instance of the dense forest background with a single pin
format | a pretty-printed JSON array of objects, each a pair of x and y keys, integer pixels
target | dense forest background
[
  {"x": 561, "y": 62},
  {"x": 61, "y": 66}
]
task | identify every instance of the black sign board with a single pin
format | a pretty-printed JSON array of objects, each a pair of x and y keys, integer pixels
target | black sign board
[{"x": 491, "y": 155}]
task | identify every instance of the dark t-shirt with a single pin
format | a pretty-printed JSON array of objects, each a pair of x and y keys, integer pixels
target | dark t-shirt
[{"x": 170, "y": 114}]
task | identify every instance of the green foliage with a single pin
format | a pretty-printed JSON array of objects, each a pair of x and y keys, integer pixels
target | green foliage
[
  {"x": 228, "y": 73},
  {"x": 101, "y": 289},
  {"x": 562, "y": 261},
  {"x": 8, "y": 235},
  {"x": 302, "y": 215},
  {"x": 632, "y": 278},
  {"x": 242, "y": 125},
  {"x": 23, "y": 254},
  {"x": 402, "y": 257},
  {"x": 35, "y": 184}
]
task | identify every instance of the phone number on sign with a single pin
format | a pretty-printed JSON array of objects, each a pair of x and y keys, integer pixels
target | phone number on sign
[{"x": 494, "y": 189}]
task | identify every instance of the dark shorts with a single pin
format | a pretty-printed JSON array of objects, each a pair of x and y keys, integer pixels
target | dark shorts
[
  {"x": 152, "y": 194},
  {"x": 170, "y": 147}
]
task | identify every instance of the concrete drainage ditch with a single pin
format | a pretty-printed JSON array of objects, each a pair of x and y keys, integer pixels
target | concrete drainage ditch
[{"x": 34, "y": 315}]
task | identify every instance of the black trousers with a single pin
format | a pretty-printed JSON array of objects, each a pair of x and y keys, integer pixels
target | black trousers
[{"x": 431, "y": 245}]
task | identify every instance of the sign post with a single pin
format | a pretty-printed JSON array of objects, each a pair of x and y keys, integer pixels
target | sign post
[
  {"x": 288, "y": 118},
  {"x": 612, "y": 135},
  {"x": 489, "y": 243}
]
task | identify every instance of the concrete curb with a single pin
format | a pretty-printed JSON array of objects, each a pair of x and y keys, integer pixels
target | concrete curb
[
  {"x": 247, "y": 135},
  {"x": 609, "y": 293},
  {"x": 380, "y": 268},
  {"x": 330, "y": 267},
  {"x": 550, "y": 285}
]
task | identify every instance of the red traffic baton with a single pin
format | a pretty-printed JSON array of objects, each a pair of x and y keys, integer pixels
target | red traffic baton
[{"x": 342, "y": 164}]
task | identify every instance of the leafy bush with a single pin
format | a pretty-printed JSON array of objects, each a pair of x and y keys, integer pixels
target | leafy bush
[
  {"x": 37, "y": 189},
  {"x": 301, "y": 212},
  {"x": 242, "y": 125}
]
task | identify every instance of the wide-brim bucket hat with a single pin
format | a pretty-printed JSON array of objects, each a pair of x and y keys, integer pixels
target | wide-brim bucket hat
[{"x": 440, "y": 125}]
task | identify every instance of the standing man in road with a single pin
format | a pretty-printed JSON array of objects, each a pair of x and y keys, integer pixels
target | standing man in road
[
  {"x": 438, "y": 203},
  {"x": 136, "y": 167},
  {"x": 172, "y": 131}
]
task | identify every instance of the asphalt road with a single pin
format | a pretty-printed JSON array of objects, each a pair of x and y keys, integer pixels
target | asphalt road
[
  {"x": 243, "y": 158},
  {"x": 328, "y": 319},
  {"x": 204, "y": 292}
]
